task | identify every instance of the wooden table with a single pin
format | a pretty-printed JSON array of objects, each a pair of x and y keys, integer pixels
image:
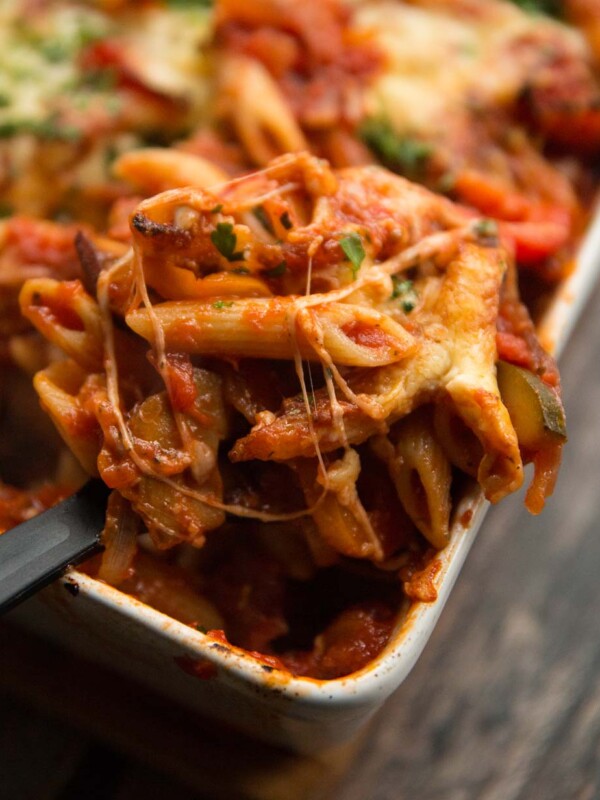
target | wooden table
[{"x": 504, "y": 704}]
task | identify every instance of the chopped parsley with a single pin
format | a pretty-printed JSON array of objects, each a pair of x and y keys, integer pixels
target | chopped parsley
[
  {"x": 49, "y": 128},
  {"x": 262, "y": 216},
  {"x": 277, "y": 271},
  {"x": 225, "y": 240},
  {"x": 404, "y": 291},
  {"x": 111, "y": 152},
  {"x": 198, "y": 627},
  {"x": 100, "y": 80},
  {"x": 486, "y": 228},
  {"x": 185, "y": 4},
  {"x": 5, "y": 209},
  {"x": 403, "y": 154},
  {"x": 552, "y": 8},
  {"x": 39, "y": 69},
  {"x": 286, "y": 221},
  {"x": 217, "y": 209},
  {"x": 55, "y": 50},
  {"x": 446, "y": 183},
  {"x": 353, "y": 250},
  {"x": 221, "y": 304}
]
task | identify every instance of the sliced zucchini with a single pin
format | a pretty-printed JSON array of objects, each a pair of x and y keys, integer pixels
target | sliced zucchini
[{"x": 535, "y": 410}]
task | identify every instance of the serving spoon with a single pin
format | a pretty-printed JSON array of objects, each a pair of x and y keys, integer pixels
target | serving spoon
[{"x": 36, "y": 552}]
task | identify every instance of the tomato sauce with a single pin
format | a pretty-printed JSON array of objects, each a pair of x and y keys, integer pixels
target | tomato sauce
[
  {"x": 19, "y": 505},
  {"x": 371, "y": 336}
]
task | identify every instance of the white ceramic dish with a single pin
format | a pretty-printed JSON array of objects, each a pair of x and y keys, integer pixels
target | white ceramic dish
[{"x": 112, "y": 629}]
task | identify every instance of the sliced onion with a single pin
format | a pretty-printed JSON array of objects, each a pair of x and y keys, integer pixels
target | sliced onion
[{"x": 119, "y": 539}]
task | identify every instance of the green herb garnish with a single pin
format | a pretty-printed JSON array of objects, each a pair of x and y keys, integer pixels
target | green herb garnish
[
  {"x": 100, "y": 80},
  {"x": 262, "y": 216},
  {"x": 552, "y": 8},
  {"x": 353, "y": 250},
  {"x": 217, "y": 209},
  {"x": 113, "y": 105},
  {"x": 6, "y": 209},
  {"x": 49, "y": 128},
  {"x": 221, "y": 304},
  {"x": 286, "y": 221},
  {"x": 198, "y": 627},
  {"x": 403, "y": 154},
  {"x": 486, "y": 228},
  {"x": 446, "y": 183},
  {"x": 55, "y": 50},
  {"x": 111, "y": 151},
  {"x": 277, "y": 271},
  {"x": 404, "y": 291},
  {"x": 225, "y": 240},
  {"x": 185, "y": 4}
]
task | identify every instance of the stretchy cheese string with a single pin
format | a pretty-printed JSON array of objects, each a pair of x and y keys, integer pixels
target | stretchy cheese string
[
  {"x": 160, "y": 351},
  {"x": 315, "y": 336},
  {"x": 292, "y": 322}
]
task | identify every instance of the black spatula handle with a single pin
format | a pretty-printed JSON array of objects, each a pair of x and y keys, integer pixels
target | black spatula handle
[{"x": 37, "y": 551}]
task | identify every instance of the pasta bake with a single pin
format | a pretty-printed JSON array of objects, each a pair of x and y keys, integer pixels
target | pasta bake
[
  {"x": 303, "y": 326},
  {"x": 265, "y": 269}
]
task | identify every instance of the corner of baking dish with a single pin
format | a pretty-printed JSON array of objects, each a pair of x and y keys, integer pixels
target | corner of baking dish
[{"x": 198, "y": 653}]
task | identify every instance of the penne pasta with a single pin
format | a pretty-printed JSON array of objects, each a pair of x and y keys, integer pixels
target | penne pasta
[
  {"x": 61, "y": 390},
  {"x": 460, "y": 445},
  {"x": 278, "y": 328},
  {"x": 339, "y": 516},
  {"x": 67, "y": 316},
  {"x": 273, "y": 250},
  {"x": 174, "y": 283},
  {"x": 422, "y": 475},
  {"x": 156, "y": 169},
  {"x": 266, "y": 129}
]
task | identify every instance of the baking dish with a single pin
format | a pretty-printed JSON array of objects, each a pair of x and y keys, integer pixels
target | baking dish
[{"x": 100, "y": 623}]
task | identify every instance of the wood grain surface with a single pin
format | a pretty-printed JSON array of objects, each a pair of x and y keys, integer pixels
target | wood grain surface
[{"x": 504, "y": 703}]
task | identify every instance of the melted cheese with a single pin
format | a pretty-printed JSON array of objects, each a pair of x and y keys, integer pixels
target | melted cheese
[
  {"x": 167, "y": 48},
  {"x": 440, "y": 61},
  {"x": 39, "y": 51},
  {"x": 37, "y": 62}
]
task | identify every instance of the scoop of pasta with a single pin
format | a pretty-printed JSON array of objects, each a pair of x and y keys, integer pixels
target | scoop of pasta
[{"x": 314, "y": 318}]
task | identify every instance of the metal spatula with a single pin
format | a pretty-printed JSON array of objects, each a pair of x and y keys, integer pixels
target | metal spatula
[{"x": 39, "y": 550}]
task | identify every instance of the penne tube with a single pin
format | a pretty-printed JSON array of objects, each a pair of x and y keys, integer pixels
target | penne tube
[
  {"x": 266, "y": 128},
  {"x": 59, "y": 387},
  {"x": 343, "y": 530},
  {"x": 461, "y": 446},
  {"x": 67, "y": 316},
  {"x": 422, "y": 476},
  {"x": 339, "y": 515},
  {"x": 175, "y": 283},
  {"x": 468, "y": 306},
  {"x": 274, "y": 328},
  {"x": 157, "y": 169}
]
